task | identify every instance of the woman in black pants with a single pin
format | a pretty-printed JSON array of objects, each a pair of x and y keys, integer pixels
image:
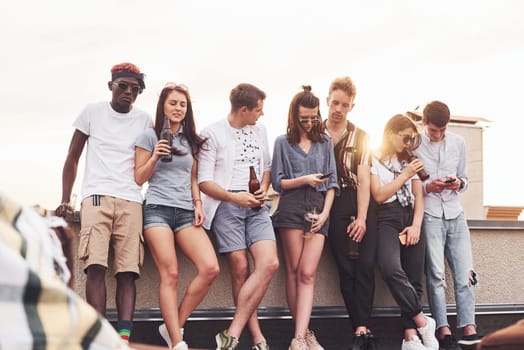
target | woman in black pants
[{"x": 398, "y": 192}]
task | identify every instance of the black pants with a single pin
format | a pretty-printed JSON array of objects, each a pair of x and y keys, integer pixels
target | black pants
[
  {"x": 401, "y": 267},
  {"x": 357, "y": 279}
]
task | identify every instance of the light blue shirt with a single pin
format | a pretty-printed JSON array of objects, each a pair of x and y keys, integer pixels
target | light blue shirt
[
  {"x": 441, "y": 159},
  {"x": 170, "y": 183},
  {"x": 290, "y": 162}
]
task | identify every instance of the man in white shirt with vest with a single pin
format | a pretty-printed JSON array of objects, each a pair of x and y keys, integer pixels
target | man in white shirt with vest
[
  {"x": 238, "y": 218},
  {"x": 445, "y": 225}
]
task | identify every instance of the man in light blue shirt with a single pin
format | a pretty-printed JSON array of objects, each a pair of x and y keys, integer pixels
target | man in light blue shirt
[{"x": 445, "y": 225}]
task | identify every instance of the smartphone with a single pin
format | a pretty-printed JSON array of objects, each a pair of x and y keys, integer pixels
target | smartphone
[
  {"x": 449, "y": 181},
  {"x": 325, "y": 176},
  {"x": 402, "y": 238}
]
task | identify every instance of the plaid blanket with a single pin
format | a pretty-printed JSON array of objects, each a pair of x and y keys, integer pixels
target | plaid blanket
[{"x": 37, "y": 309}]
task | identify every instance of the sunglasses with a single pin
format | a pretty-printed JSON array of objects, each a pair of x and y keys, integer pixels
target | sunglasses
[
  {"x": 407, "y": 139},
  {"x": 135, "y": 89},
  {"x": 174, "y": 86},
  {"x": 312, "y": 120}
]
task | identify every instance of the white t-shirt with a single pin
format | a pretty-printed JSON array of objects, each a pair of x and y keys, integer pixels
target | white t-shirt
[
  {"x": 247, "y": 153},
  {"x": 110, "y": 155},
  {"x": 386, "y": 176}
]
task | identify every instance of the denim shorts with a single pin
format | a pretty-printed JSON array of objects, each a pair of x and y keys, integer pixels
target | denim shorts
[
  {"x": 294, "y": 204},
  {"x": 237, "y": 228},
  {"x": 172, "y": 217}
]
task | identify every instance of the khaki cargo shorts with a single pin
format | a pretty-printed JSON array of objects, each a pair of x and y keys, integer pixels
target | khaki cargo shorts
[{"x": 106, "y": 221}]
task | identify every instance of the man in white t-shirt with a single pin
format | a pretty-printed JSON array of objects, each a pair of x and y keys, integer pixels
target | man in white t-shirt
[{"x": 111, "y": 210}]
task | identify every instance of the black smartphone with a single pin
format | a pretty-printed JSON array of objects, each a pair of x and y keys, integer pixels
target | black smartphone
[
  {"x": 448, "y": 181},
  {"x": 325, "y": 176}
]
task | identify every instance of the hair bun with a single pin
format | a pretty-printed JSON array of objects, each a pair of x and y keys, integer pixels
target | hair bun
[{"x": 306, "y": 88}]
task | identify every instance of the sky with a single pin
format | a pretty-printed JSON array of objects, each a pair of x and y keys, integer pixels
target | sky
[{"x": 57, "y": 54}]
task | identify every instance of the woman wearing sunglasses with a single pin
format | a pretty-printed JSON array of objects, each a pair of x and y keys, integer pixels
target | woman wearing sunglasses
[
  {"x": 173, "y": 209},
  {"x": 398, "y": 192},
  {"x": 304, "y": 173}
]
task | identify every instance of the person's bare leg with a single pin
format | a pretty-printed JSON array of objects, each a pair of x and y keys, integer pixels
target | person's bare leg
[
  {"x": 198, "y": 248},
  {"x": 125, "y": 295},
  {"x": 239, "y": 266},
  {"x": 254, "y": 288},
  {"x": 162, "y": 246},
  {"x": 96, "y": 294}
]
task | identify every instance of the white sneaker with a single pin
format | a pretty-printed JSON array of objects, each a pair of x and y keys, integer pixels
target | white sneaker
[
  {"x": 413, "y": 344},
  {"x": 298, "y": 344},
  {"x": 181, "y": 346},
  {"x": 162, "y": 329},
  {"x": 427, "y": 333},
  {"x": 312, "y": 342}
]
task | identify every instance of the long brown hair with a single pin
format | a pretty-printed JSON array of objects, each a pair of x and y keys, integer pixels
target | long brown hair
[
  {"x": 394, "y": 125},
  {"x": 188, "y": 124},
  {"x": 305, "y": 99}
]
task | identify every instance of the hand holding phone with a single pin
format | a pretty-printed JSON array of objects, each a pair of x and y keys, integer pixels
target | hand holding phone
[
  {"x": 450, "y": 181},
  {"x": 325, "y": 176}
]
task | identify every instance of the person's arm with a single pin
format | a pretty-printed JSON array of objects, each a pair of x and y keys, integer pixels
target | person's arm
[
  {"x": 261, "y": 194},
  {"x": 69, "y": 171},
  {"x": 206, "y": 176},
  {"x": 145, "y": 160},
  {"x": 243, "y": 199},
  {"x": 357, "y": 229},
  {"x": 324, "y": 214},
  {"x": 462, "y": 169},
  {"x": 413, "y": 231},
  {"x": 195, "y": 192},
  {"x": 382, "y": 193}
]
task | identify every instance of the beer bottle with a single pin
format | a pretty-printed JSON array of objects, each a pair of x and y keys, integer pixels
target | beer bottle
[
  {"x": 423, "y": 176},
  {"x": 254, "y": 184},
  {"x": 165, "y": 134},
  {"x": 353, "y": 248}
]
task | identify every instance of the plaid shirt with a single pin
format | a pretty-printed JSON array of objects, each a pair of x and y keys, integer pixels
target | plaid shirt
[{"x": 39, "y": 311}]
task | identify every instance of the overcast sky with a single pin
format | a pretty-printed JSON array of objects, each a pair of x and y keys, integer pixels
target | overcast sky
[{"x": 56, "y": 57}]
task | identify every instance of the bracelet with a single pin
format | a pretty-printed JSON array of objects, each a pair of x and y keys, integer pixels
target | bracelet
[{"x": 195, "y": 201}]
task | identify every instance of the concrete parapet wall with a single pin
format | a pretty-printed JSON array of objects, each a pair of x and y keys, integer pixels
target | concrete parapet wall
[{"x": 497, "y": 253}]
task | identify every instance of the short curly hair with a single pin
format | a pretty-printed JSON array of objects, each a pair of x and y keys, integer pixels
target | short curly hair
[
  {"x": 125, "y": 67},
  {"x": 345, "y": 84}
]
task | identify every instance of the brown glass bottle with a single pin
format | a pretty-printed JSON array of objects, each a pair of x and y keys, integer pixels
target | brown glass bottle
[
  {"x": 353, "y": 248},
  {"x": 165, "y": 134},
  {"x": 423, "y": 176},
  {"x": 254, "y": 184}
]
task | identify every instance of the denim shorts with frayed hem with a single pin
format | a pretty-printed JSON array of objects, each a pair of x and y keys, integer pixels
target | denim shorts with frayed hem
[{"x": 172, "y": 217}]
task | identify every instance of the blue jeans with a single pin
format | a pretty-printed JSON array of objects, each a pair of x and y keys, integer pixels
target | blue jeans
[{"x": 449, "y": 239}]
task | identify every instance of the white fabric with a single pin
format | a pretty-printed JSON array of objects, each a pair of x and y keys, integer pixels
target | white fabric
[
  {"x": 38, "y": 310},
  {"x": 246, "y": 154},
  {"x": 386, "y": 176},
  {"x": 110, "y": 154},
  {"x": 216, "y": 160}
]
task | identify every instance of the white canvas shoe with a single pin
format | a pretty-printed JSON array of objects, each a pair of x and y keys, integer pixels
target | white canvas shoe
[
  {"x": 427, "y": 333},
  {"x": 413, "y": 344},
  {"x": 162, "y": 329}
]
